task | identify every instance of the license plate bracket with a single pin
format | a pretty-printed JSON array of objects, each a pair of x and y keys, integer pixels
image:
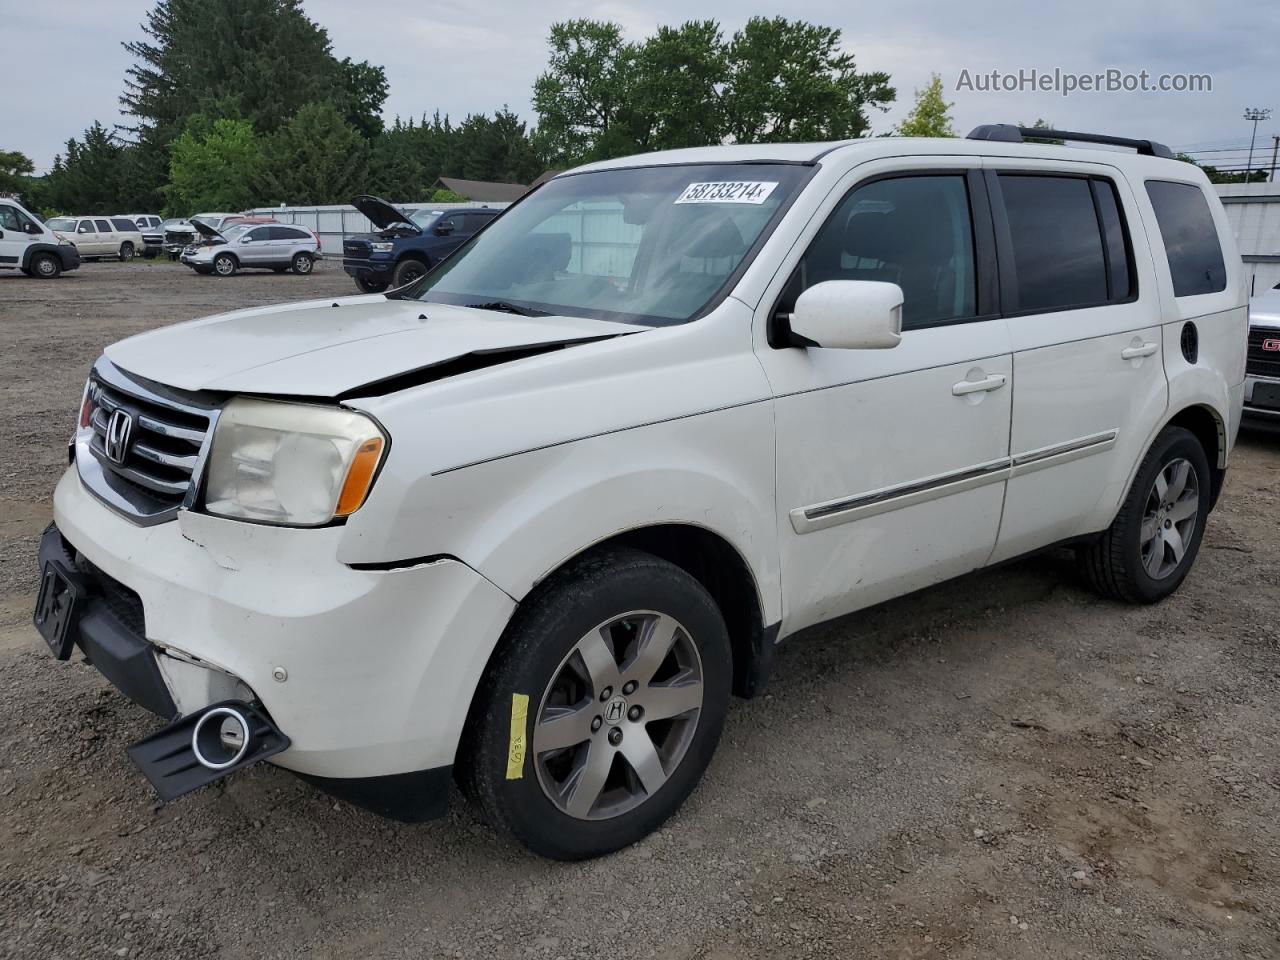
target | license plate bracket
[
  {"x": 58, "y": 608},
  {"x": 1266, "y": 395}
]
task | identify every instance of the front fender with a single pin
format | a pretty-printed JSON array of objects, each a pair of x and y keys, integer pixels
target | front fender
[{"x": 516, "y": 519}]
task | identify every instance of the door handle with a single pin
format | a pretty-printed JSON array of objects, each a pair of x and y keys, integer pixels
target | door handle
[
  {"x": 965, "y": 387},
  {"x": 1133, "y": 353}
]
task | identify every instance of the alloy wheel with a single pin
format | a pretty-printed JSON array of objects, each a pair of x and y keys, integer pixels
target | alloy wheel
[
  {"x": 618, "y": 716},
  {"x": 1169, "y": 519}
]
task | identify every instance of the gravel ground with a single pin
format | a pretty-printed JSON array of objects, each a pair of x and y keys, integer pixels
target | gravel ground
[{"x": 1004, "y": 766}]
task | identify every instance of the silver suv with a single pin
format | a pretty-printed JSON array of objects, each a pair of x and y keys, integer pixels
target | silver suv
[{"x": 272, "y": 246}]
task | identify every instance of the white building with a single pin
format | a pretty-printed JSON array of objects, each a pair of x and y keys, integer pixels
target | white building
[{"x": 1254, "y": 212}]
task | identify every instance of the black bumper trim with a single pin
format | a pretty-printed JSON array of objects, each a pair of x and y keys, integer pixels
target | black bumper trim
[
  {"x": 408, "y": 797},
  {"x": 117, "y": 649}
]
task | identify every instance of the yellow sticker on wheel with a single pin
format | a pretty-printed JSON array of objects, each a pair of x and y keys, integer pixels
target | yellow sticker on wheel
[{"x": 516, "y": 748}]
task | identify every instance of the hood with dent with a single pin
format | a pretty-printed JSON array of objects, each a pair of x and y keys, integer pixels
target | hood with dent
[
  {"x": 327, "y": 348},
  {"x": 382, "y": 214}
]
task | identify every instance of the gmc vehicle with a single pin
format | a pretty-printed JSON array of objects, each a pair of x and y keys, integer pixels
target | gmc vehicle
[
  {"x": 406, "y": 245},
  {"x": 530, "y": 521},
  {"x": 1262, "y": 380},
  {"x": 95, "y": 237}
]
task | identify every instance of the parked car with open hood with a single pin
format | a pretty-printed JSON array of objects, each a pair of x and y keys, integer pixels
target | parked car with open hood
[
  {"x": 406, "y": 245},
  {"x": 532, "y": 519},
  {"x": 247, "y": 244},
  {"x": 179, "y": 234},
  {"x": 29, "y": 245},
  {"x": 100, "y": 237}
]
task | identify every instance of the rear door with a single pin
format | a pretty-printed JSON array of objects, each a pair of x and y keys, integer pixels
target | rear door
[
  {"x": 13, "y": 239},
  {"x": 1084, "y": 319},
  {"x": 108, "y": 242}
]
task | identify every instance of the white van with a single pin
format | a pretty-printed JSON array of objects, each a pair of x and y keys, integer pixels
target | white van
[
  {"x": 27, "y": 244},
  {"x": 532, "y": 519},
  {"x": 98, "y": 238}
]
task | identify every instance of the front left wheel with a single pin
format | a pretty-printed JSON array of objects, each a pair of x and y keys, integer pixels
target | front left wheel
[
  {"x": 603, "y": 707},
  {"x": 45, "y": 266},
  {"x": 225, "y": 265}
]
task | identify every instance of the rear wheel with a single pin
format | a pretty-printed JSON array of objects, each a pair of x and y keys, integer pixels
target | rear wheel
[
  {"x": 302, "y": 263},
  {"x": 602, "y": 711},
  {"x": 224, "y": 265},
  {"x": 126, "y": 252},
  {"x": 1149, "y": 549},
  {"x": 408, "y": 271},
  {"x": 45, "y": 266},
  {"x": 370, "y": 285}
]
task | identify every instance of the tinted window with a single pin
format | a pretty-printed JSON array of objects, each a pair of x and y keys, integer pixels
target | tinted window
[
  {"x": 912, "y": 231},
  {"x": 1116, "y": 238},
  {"x": 258, "y": 235},
  {"x": 103, "y": 226},
  {"x": 1190, "y": 238},
  {"x": 86, "y": 226},
  {"x": 125, "y": 226},
  {"x": 288, "y": 233},
  {"x": 472, "y": 222},
  {"x": 1057, "y": 246}
]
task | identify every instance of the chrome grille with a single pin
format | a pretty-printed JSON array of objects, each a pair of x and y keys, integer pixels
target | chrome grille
[
  {"x": 1263, "y": 363},
  {"x": 143, "y": 448}
]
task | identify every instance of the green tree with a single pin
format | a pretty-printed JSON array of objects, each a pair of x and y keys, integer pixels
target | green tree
[
  {"x": 213, "y": 166},
  {"x": 1260, "y": 175},
  {"x": 316, "y": 158},
  {"x": 579, "y": 97},
  {"x": 789, "y": 80},
  {"x": 87, "y": 177},
  {"x": 774, "y": 80},
  {"x": 930, "y": 116},
  {"x": 15, "y": 169}
]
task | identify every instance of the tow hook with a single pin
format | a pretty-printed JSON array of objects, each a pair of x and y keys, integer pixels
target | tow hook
[{"x": 206, "y": 746}]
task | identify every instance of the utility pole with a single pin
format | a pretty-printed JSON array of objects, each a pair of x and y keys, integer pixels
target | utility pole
[
  {"x": 1255, "y": 114},
  {"x": 1275, "y": 150}
]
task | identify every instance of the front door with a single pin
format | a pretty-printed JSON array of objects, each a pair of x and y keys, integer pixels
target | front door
[
  {"x": 891, "y": 463},
  {"x": 86, "y": 239},
  {"x": 14, "y": 239},
  {"x": 1089, "y": 376}
]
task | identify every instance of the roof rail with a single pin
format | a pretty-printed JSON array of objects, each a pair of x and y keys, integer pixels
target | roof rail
[{"x": 1010, "y": 133}]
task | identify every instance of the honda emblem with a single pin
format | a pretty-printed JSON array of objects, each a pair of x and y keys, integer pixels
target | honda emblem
[{"x": 116, "y": 442}]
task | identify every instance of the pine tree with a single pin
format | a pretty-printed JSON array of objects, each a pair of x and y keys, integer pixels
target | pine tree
[{"x": 930, "y": 116}]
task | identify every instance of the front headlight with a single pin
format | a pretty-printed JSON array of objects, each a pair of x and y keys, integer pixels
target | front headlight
[
  {"x": 382, "y": 246},
  {"x": 291, "y": 463}
]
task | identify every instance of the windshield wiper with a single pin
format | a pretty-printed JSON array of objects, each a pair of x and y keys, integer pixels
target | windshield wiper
[{"x": 502, "y": 306}]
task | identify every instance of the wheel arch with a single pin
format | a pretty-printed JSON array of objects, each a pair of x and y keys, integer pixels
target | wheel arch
[
  {"x": 1210, "y": 429},
  {"x": 32, "y": 249}
]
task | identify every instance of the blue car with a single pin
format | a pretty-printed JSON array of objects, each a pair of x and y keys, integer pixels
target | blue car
[{"x": 406, "y": 246}]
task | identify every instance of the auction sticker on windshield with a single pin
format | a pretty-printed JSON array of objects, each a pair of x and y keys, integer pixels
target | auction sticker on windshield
[{"x": 727, "y": 191}]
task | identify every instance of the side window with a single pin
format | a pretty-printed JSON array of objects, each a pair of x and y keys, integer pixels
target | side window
[
  {"x": 1057, "y": 244},
  {"x": 915, "y": 231},
  {"x": 9, "y": 218},
  {"x": 287, "y": 233},
  {"x": 259, "y": 234},
  {"x": 448, "y": 225},
  {"x": 86, "y": 226},
  {"x": 474, "y": 222},
  {"x": 103, "y": 226},
  {"x": 124, "y": 226},
  {"x": 1116, "y": 239},
  {"x": 1190, "y": 238}
]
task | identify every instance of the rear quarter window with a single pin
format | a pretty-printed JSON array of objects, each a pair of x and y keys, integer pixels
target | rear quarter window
[
  {"x": 125, "y": 226},
  {"x": 1190, "y": 238}
]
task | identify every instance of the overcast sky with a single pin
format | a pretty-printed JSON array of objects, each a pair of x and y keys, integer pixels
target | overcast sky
[{"x": 461, "y": 57}]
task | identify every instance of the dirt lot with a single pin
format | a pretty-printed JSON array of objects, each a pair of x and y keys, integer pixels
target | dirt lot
[{"x": 1001, "y": 767}]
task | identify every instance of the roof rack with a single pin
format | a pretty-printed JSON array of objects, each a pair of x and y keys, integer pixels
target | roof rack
[{"x": 1010, "y": 133}]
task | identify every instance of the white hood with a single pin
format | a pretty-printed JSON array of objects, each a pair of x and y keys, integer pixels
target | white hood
[
  {"x": 324, "y": 348},
  {"x": 1264, "y": 309}
]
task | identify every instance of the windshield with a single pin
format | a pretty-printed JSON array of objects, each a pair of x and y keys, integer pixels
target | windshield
[
  {"x": 232, "y": 232},
  {"x": 648, "y": 245},
  {"x": 214, "y": 222},
  {"x": 62, "y": 224},
  {"x": 423, "y": 219}
]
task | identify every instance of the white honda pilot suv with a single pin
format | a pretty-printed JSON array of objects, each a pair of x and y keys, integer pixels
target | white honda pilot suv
[{"x": 531, "y": 520}]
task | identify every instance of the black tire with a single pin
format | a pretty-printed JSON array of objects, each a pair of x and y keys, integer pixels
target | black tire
[
  {"x": 408, "y": 270},
  {"x": 603, "y": 585},
  {"x": 45, "y": 266},
  {"x": 1113, "y": 564},
  {"x": 302, "y": 264},
  {"x": 126, "y": 252},
  {"x": 225, "y": 265},
  {"x": 370, "y": 285}
]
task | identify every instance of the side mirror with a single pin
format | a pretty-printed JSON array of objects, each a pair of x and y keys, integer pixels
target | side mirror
[
  {"x": 849, "y": 315},
  {"x": 33, "y": 228},
  {"x": 444, "y": 229}
]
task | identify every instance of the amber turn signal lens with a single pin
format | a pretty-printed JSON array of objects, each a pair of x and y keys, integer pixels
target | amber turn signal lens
[{"x": 359, "y": 477}]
